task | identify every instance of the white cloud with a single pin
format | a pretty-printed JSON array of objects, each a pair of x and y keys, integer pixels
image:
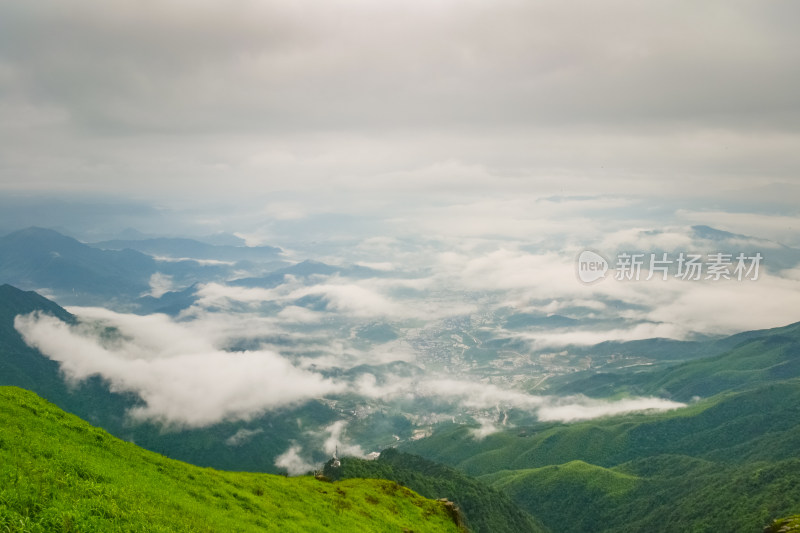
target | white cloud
[
  {"x": 182, "y": 378},
  {"x": 218, "y": 295},
  {"x": 382, "y": 265},
  {"x": 486, "y": 396},
  {"x": 335, "y": 442},
  {"x": 575, "y": 336},
  {"x": 242, "y": 435},
  {"x": 299, "y": 315},
  {"x": 293, "y": 463},
  {"x": 201, "y": 262},
  {"x": 587, "y": 409},
  {"x": 353, "y": 299},
  {"x": 160, "y": 284},
  {"x": 487, "y": 427},
  {"x": 567, "y": 409},
  {"x": 732, "y": 306}
]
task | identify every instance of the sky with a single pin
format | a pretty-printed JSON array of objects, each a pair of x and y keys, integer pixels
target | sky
[{"x": 232, "y": 114}]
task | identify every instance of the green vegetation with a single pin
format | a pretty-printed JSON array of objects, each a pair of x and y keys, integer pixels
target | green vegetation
[
  {"x": 660, "y": 493},
  {"x": 588, "y": 489},
  {"x": 588, "y": 477},
  {"x": 732, "y": 363},
  {"x": 484, "y": 509},
  {"x": 728, "y": 463},
  {"x": 58, "y": 473}
]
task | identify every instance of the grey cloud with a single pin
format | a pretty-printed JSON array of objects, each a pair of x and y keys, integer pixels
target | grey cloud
[
  {"x": 349, "y": 96},
  {"x": 171, "y": 67}
]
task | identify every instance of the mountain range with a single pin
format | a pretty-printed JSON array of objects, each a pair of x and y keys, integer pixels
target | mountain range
[{"x": 727, "y": 461}]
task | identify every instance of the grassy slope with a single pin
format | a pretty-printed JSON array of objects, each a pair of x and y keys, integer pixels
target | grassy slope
[{"x": 58, "y": 473}]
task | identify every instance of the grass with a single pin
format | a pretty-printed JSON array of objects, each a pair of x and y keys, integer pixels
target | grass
[{"x": 59, "y": 473}]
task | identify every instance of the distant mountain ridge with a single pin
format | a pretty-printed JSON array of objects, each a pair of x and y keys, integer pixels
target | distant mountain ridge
[
  {"x": 193, "y": 249},
  {"x": 304, "y": 270},
  {"x": 741, "y": 360},
  {"x": 75, "y": 273},
  {"x": 37, "y": 258}
]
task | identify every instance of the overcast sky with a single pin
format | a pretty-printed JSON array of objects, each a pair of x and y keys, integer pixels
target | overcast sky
[{"x": 301, "y": 106}]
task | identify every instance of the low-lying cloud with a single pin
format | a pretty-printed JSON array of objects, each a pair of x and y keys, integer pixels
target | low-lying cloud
[
  {"x": 333, "y": 444},
  {"x": 185, "y": 380},
  {"x": 487, "y": 396},
  {"x": 293, "y": 463},
  {"x": 587, "y": 408},
  {"x": 182, "y": 379}
]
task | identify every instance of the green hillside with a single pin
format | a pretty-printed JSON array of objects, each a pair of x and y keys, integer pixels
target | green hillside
[
  {"x": 550, "y": 489},
  {"x": 729, "y": 463},
  {"x": 771, "y": 357},
  {"x": 485, "y": 510},
  {"x": 58, "y": 473},
  {"x": 587, "y": 477},
  {"x": 660, "y": 493},
  {"x": 758, "y": 424},
  {"x": 734, "y": 362}
]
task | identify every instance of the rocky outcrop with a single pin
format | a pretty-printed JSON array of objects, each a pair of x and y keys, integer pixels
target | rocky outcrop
[
  {"x": 784, "y": 525},
  {"x": 454, "y": 512}
]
